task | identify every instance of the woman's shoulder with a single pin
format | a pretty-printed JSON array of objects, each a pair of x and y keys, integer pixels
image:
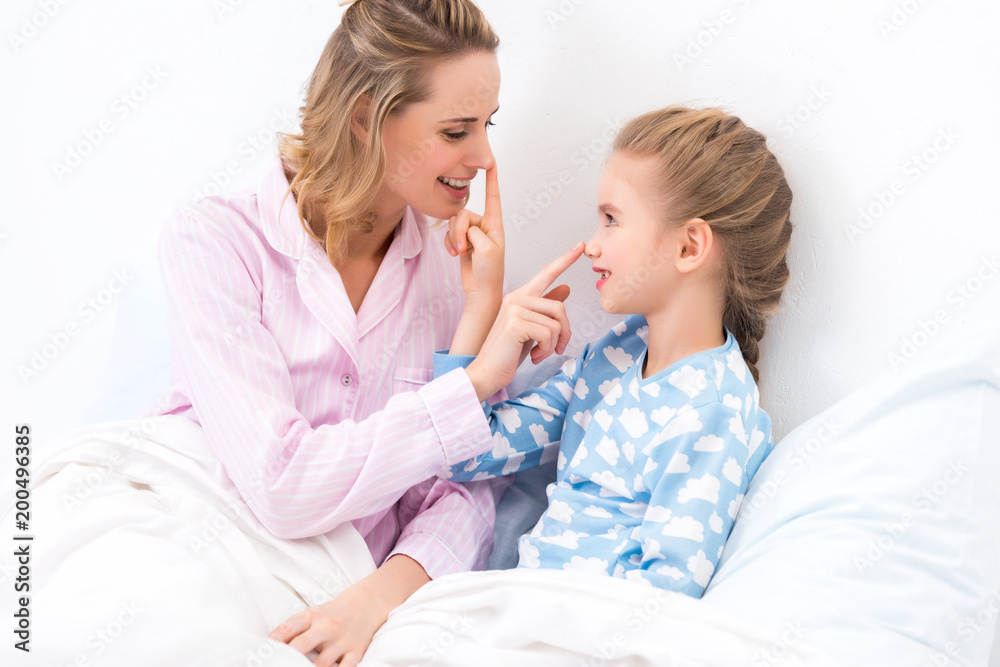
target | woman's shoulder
[
  {"x": 222, "y": 222},
  {"x": 220, "y": 212}
]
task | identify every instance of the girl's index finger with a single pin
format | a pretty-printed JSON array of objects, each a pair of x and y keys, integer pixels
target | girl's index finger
[
  {"x": 492, "y": 194},
  {"x": 544, "y": 278}
]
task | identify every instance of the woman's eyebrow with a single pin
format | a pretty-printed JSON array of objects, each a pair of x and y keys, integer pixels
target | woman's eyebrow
[{"x": 467, "y": 120}]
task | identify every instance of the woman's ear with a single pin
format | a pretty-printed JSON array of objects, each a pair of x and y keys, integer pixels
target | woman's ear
[
  {"x": 360, "y": 118},
  {"x": 695, "y": 241}
]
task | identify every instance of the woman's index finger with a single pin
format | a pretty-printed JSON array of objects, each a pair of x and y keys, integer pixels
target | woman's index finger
[
  {"x": 492, "y": 193},
  {"x": 544, "y": 278}
]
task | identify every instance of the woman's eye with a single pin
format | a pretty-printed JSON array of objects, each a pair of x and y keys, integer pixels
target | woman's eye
[
  {"x": 455, "y": 136},
  {"x": 490, "y": 123}
]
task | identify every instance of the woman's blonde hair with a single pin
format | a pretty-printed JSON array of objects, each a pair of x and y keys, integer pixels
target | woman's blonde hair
[
  {"x": 382, "y": 50},
  {"x": 712, "y": 166}
]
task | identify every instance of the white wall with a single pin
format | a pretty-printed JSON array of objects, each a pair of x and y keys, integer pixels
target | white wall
[{"x": 851, "y": 94}]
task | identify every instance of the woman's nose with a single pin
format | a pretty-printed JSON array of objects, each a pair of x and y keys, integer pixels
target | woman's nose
[{"x": 481, "y": 155}]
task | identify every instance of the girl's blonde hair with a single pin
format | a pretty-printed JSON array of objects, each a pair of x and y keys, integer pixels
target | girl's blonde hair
[
  {"x": 382, "y": 50},
  {"x": 712, "y": 166}
]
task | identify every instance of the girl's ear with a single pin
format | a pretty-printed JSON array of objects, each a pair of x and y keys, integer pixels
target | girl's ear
[
  {"x": 695, "y": 241},
  {"x": 359, "y": 119}
]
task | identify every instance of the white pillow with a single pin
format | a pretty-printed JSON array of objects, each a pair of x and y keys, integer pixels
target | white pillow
[{"x": 871, "y": 531}]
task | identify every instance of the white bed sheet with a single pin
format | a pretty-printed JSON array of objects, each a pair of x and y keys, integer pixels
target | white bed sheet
[{"x": 144, "y": 554}]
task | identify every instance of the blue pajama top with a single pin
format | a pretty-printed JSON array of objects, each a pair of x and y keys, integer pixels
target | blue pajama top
[{"x": 651, "y": 472}]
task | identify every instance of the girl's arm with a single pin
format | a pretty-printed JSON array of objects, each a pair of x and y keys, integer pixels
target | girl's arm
[
  {"x": 526, "y": 429},
  {"x": 696, "y": 488}
]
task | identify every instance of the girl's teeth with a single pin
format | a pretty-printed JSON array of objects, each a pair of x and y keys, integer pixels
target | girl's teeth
[{"x": 458, "y": 185}]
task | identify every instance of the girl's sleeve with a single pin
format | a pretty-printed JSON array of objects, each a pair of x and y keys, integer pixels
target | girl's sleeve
[
  {"x": 526, "y": 429},
  {"x": 298, "y": 480},
  {"x": 696, "y": 489}
]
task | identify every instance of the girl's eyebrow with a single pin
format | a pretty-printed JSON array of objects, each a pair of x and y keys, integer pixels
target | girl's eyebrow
[
  {"x": 609, "y": 209},
  {"x": 467, "y": 120}
]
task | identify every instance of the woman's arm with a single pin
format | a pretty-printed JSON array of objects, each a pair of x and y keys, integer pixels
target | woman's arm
[
  {"x": 298, "y": 480},
  {"x": 342, "y": 629}
]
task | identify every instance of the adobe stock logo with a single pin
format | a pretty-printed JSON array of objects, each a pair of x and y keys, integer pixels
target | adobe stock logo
[{"x": 121, "y": 108}]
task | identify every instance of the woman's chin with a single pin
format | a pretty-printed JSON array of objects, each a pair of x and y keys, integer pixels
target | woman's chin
[{"x": 439, "y": 211}]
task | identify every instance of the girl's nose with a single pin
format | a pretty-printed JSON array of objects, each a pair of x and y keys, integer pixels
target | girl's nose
[{"x": 593, "y": 248}]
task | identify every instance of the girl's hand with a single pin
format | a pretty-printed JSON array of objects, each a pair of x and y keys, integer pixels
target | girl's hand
[
  {"x": 528, "y": 320},
  {"x": 341, "y": 630},
  {"x": 479, "y": 241}
]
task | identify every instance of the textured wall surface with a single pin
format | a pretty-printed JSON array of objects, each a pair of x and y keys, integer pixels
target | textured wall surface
[{"x": 882, "y": 113}]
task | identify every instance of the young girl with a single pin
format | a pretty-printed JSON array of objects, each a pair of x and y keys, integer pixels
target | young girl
[{"x": 657, "y": 426}]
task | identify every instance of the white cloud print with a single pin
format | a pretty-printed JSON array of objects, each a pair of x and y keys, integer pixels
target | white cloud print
[
  {"x": 589, "y": 565},
  {"x": 670, "y": 571},
  {"x": 732, "y": 471},
  {"x": 618, "y": 357},
  {"x": 560, "y": 511},
  {"x": 736, "y": 364},
  {"x": 705, "y": 487},
  {"x": 634, "y": 421},
  {"x": 528, "y": 554},
  {"x": 610, "y": 485},
  {"x": 658, "y": 513},
  {"x": 514, "y": 462},
  {"x": 678, "y": 464},
  {"x": 634, "y": 510},
  {"x": 686, "y": 527},
  {"x": 539, "y": 433},
  {"x": 544, "y": 409},
  {"x": 686, "y": 420},
  {"x": 709, "y": 443},
  {"x": 701, "y": 568},
  {"x": 734, "y": 506},
  {"x": 564, "y": 389},
  {"x": 598, "y": 512},
  {"x": 604, "y": 419},
  {"x": 611, "y": 390},
  {"x": 509, "y": 417},
  {"x": 689, "y": 380},
  {"x": 568, "y": 539},
  {"x": 607, "y": 449}
]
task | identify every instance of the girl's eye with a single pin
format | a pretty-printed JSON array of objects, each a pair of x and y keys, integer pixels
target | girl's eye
[{"x": 611, "y": 221}]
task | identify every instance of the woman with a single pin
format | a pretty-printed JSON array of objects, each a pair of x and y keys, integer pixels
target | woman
[{"x": 304, "y": 314}]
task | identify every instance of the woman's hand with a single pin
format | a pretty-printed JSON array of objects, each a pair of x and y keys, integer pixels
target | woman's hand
[
  {"x": 479, "y": 241},
  {"x": 341, "y": 630},
  {"x": 528, "y": 321}
]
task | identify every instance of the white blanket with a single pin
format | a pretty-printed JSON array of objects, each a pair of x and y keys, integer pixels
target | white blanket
[
  {"x": 551, "y": 618},
  {"x": 144, "y": 554}
]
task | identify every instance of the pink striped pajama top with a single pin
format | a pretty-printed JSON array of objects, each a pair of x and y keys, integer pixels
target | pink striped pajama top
[{"x": 320, "y": 415}]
